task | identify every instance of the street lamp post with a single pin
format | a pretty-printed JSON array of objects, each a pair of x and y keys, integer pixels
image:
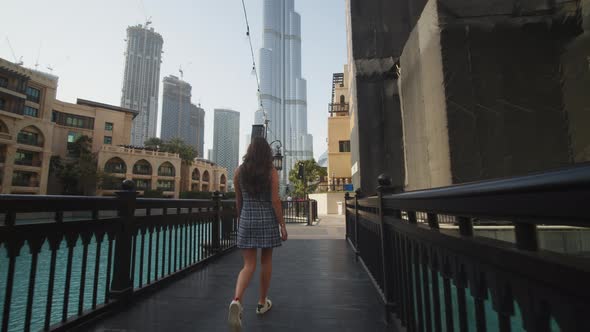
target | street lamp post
[{"x": 278, "y": 157}]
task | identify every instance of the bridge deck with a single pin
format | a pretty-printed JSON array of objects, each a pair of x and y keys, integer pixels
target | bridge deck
[{"x": 316, "y": 286}]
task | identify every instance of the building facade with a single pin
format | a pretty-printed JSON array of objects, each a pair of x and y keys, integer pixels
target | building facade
[
  {"x": 27, "y": 99},
  {"x": 180, "y": 118},
  {"x": 34, "y": 126},
  {"x": 204, "y": 175},
  {"x": 339, "y": 127},
  {"x": 149, "y": 170},
  {"x": 197, "y": 121},
  {"x": 107, "y": 125},
  {"x": 141, "y": 80},
  {"x": 283, "y": 89},
  {"x": 226, "y": 140}
]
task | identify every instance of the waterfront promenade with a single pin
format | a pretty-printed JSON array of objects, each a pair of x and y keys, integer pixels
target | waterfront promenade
[{"x": 316, "y": 286}]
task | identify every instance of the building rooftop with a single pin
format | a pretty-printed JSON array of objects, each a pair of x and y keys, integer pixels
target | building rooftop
[
  {"x": 106, "y": 106},
  {"x": 20, "y": 70}
]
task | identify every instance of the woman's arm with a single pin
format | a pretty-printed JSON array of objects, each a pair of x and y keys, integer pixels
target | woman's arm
[
  {"x": 238, "y": 193},
  {"x": 276, "y": 200}
]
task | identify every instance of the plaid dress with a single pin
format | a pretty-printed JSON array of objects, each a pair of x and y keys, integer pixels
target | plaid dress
[{"x": 258, "y": 227}]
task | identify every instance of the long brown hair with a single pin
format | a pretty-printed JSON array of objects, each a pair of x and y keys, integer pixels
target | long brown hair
[{"x": 255, "y": 172}]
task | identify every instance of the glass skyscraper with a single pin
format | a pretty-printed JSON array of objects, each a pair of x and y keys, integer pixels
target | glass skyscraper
[
  {"x": 283, "y": 90},
  {"x": 226, "y": 140},
  {"x": 141, "y": 80},
  {"x": 180, "y": 118}
]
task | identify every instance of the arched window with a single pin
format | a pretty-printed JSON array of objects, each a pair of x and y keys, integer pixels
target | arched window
[
  {"x": 142, "y": 167},
  {"x": 342, "y": 99},
  {"x": 206, "y": 176},
  {"x": 222, "y": 180},
  {"x": 196, "y": 175},
  {"x": 30, "y": 136},
  {"x": 115, "y": 165},
  {"x": 166, "y": 169}
]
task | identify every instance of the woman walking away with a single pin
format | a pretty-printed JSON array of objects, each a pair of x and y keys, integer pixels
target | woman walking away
[{"x": 260, "y": 218}]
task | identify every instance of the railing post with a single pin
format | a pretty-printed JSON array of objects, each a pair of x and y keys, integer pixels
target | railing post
[
  {"x": 215, "y": 246},
  {"x": 346, "y": 221},
  {"x": 309, "y": 211},
  {"x": 526, "y": 236},
  {"x": 465, "y": 226},
  {"x": 386, "y": 248},
  {"x": 122, "y": 285},
  {"x": 357, "y": 195}
]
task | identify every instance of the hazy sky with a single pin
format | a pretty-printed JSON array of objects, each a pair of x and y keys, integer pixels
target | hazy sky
[{"x": 83, "y": 41}]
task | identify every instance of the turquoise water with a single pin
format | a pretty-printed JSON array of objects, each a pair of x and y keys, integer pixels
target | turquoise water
[
  {"x": 491, "y": 315},
  {"x": 23, "y": 266}
]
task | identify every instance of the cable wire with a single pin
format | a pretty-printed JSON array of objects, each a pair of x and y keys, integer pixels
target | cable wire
[{"x": 254, "y": 68}]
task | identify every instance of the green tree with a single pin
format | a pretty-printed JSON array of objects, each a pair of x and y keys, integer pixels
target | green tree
[
  {"x": 186, "y": 152},
  {"x": 313, "y": 175},
  {"x": 153, "y": 143},
  {"x": 78, "y": 174},
  {"x": 176, "y": 145},
  {"x": 158, "y": 193},
  {"x": 108, "y": 181}
]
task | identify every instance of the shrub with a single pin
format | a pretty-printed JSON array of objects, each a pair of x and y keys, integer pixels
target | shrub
[
  {"x": 196, "y": 195},
  {"x": 153, "y": 194}
]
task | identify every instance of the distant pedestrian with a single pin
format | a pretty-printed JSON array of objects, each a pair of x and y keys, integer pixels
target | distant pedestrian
[{"x": 260, "y": 224}]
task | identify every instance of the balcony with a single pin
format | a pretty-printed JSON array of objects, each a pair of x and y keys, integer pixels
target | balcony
[
  {"x": 23, "y": 182},
  {"x": 340, "y": 109},
  {"x": 29, "y": 163},
  {"x": 126, "y": 263},
  {"x": 12, "y": 93}
]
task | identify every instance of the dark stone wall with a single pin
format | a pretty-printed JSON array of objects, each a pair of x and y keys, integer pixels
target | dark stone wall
[
  {"x": 505, "y": 104},
  {"x": 379, "y": 31},
  {"x": 511, "y": 110},
  {"x": 576, "y": 90},
  {"x": 380, "y": 129}
]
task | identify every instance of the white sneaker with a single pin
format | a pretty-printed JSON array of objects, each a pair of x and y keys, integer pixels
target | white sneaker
[
  {"x": 262, "y": 308},
  {"x": 235, "y": 315}
]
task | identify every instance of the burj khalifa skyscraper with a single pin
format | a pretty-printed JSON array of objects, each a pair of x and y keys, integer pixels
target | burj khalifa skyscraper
[{"x": 283, "y": 90}]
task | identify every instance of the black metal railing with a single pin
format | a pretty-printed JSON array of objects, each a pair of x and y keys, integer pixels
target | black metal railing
[
  {"x": 69, "y": 259},
  {"x": 338, "y": 109},
  {"x": 433, "y": 276},
  {"x": 324, "y": 188},
  {"x": 300, "y": 211}
]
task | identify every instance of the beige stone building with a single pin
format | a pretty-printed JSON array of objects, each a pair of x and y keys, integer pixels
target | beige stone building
[
  {"x": 204, "y": 175},
  {"x": 339, "y": 127},
  {"x": 107, "y": 125},
  {"x": 34, "y": 126},
  {"x": 150, "y": 170},
  {"x": 26, "y": 131}
]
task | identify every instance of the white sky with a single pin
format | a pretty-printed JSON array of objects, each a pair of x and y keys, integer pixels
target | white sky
[{"x": 83, "y": 41}]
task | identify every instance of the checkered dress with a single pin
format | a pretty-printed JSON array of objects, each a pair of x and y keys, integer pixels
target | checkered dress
[{"x": 258, "y": 227}]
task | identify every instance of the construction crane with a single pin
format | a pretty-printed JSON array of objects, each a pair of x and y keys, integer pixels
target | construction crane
[
  {"x": 38, "y": 55},
  {"x": 18, "y": 61}
]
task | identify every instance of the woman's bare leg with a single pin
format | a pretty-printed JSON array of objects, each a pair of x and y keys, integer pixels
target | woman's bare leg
[
  {"x": 246, "y": 273},
  {"x": 265, "y": 273}
]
